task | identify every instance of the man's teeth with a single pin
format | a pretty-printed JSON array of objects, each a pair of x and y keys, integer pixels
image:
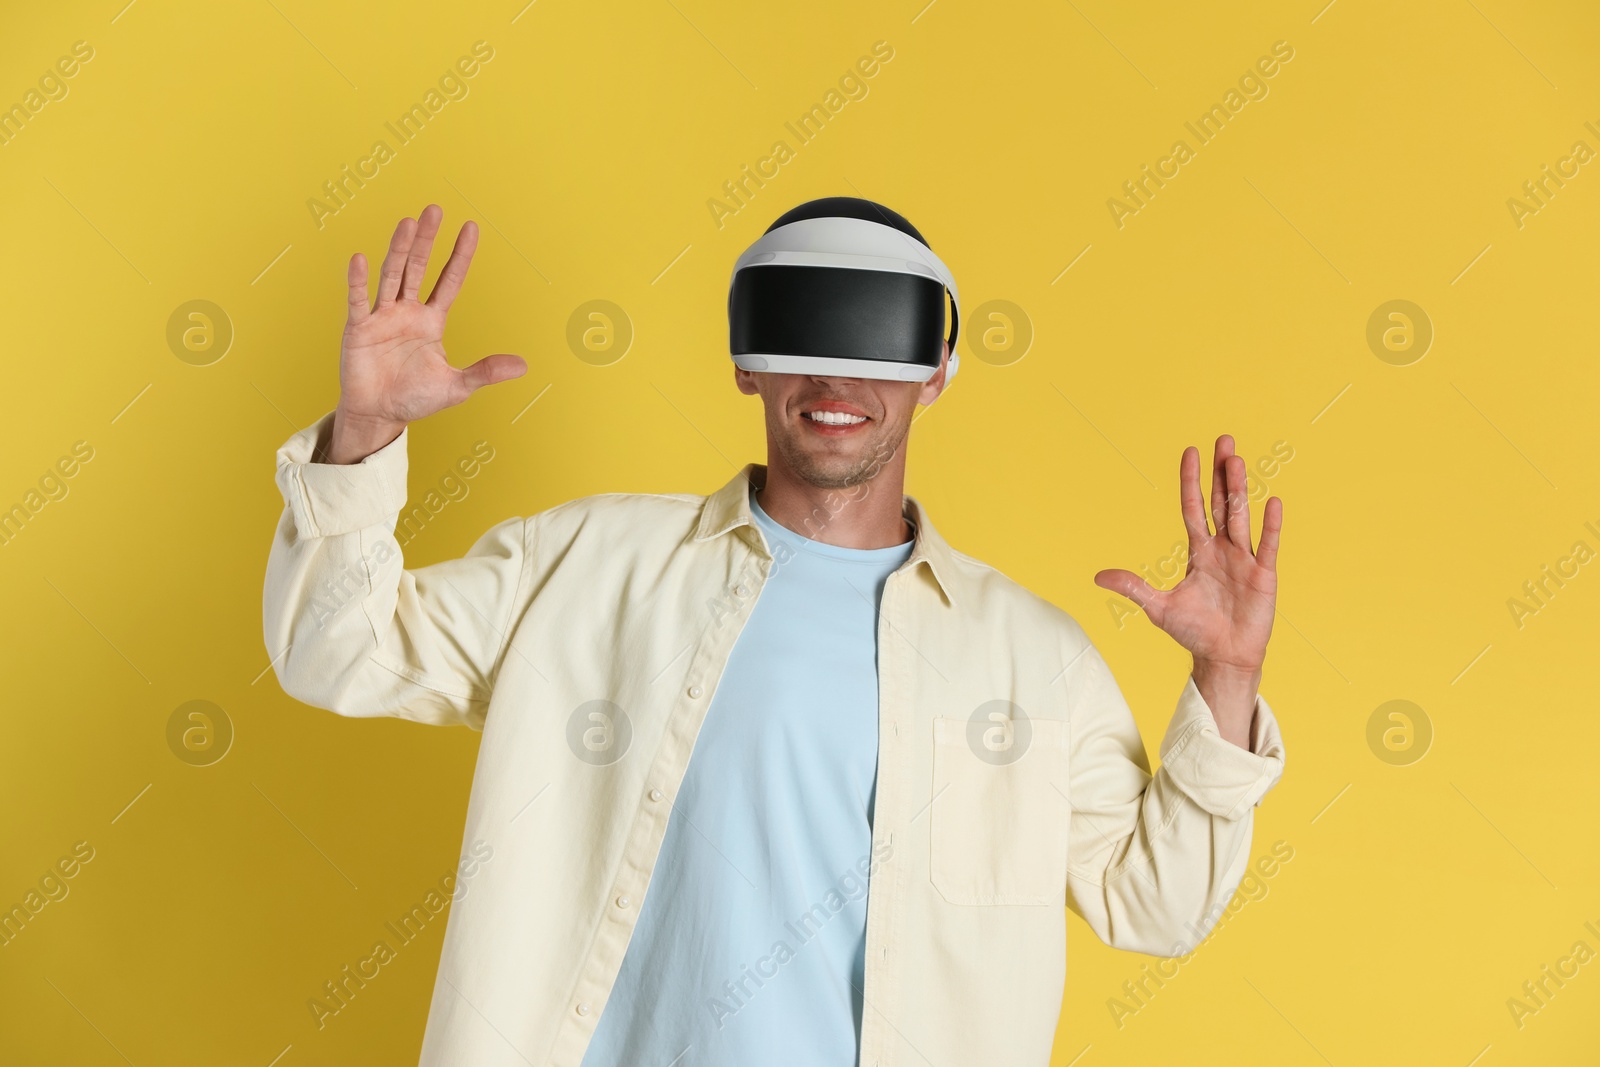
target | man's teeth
[{"x": 834, "y": 418}]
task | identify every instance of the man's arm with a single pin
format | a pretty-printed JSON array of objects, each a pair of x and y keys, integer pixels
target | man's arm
[
  {"x": 347, "y": 626},
  {"x": 1155, "y": 858}
]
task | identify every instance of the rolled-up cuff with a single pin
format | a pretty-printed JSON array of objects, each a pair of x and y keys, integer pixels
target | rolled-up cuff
[
  {"x": 335, "y": 498},
  {"x": 1216, "y": 774}
]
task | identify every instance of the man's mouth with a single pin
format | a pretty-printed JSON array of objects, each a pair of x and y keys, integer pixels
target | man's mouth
[{"x": 833, "y": 418}]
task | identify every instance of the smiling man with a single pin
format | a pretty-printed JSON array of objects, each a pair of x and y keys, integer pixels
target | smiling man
[{"x": 774, "y": 774}]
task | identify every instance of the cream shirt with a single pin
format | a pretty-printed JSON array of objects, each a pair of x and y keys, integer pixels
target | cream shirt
[{"x": 1013, "y": 784}]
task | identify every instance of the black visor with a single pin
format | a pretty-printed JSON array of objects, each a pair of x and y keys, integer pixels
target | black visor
[{"x": 845, "y": 314}]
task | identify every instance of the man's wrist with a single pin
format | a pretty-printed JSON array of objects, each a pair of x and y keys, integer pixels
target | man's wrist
[
  {"x": 351, "y": 439},
  {"x": 1230, "y": 692}
]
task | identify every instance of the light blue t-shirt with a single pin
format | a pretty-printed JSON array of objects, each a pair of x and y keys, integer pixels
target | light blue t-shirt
[{"x": 751, "y": 942}]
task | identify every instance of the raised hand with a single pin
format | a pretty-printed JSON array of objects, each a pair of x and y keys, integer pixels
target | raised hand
[
  {"x": 1222, "y": 610},
  {"x": 392, "y": 364}
]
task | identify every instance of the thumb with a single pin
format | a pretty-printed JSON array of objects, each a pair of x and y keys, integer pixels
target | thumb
[
  {"x": 1131, "y": 586},
  {"x": 491, "y": 369}
]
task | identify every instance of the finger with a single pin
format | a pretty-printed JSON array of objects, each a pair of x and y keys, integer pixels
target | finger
[
  {"x": 1194, "y": 513},
  {"x": 394, "y": 263},
  {"x": 455, "y": 268},
  {"x": 1219, "y": 488},
  {"x": 1271, "y": 523},
  {"x": 491, "y": 369},
  {"x": 1238, "y": 504},
  {"x": 421, "y": 249},
  {"x": 1136, "y": 589},
  {"x": 356, "y": 276}
]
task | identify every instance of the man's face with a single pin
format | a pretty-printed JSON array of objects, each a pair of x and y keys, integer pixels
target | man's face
[{"x": 835, "y": 433}]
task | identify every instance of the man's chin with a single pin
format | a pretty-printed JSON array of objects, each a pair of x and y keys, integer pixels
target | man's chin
[
  {"x": 829, "y": 469},
  {"x": 832, "y": 480}
]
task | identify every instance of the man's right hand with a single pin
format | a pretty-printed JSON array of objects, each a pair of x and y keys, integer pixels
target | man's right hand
[{"x": 392, "y": 365}]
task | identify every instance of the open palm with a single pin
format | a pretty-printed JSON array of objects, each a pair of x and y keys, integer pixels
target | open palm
[
  {"x": 392, "y": 365},
  {"x": 1222, "y": 610}
]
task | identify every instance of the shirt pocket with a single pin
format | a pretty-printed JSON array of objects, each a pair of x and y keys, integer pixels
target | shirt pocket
[{"x": 999, "y": 823}]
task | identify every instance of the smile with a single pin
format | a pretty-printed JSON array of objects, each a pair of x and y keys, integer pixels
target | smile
[{"x": 834, "y": 418}]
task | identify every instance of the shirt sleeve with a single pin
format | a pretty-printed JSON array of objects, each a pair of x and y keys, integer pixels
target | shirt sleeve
[
  {"x": 1154, "y": 859},
  {"x": 348, "y": 628}
]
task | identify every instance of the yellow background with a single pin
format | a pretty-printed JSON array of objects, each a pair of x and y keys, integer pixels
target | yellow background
[{"x": 1418, "y": 500}]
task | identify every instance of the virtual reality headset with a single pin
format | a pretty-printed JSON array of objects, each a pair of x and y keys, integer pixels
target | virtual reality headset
[{"x": 842, "y": 287}]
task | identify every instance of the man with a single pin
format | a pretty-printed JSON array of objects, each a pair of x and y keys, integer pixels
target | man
[{"x": 773, "y": 775}]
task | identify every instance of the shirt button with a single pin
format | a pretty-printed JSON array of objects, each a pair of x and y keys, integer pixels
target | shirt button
[
  {"x": 740, "y": 590},
  {"x": 655, "y": 794},
  {"x": 583, "y": 1009},
  {"x": 623, "y": 902},
  {"x": 694, "y": 691}
]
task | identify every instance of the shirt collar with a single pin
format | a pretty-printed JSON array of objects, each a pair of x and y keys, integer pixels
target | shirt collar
[{"x": 729, "y": 508}]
